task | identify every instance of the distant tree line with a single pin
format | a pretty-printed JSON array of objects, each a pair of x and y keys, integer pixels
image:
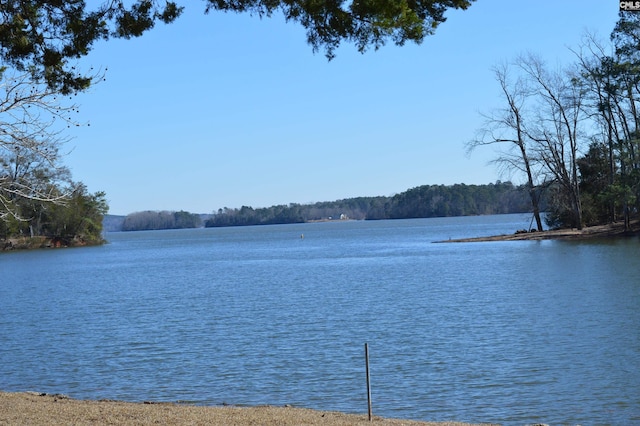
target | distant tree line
[
  {"x": 155, "y": 220},
  {"x": 420, "y": 202},
  {"x": 458, "y": 200}
]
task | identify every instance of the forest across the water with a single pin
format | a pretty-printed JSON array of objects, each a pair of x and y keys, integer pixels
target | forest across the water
[{"x": 420, "y": 202}]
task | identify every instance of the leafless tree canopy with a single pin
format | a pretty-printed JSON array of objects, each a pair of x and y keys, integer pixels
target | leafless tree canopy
[{"x": 33, "y": 122}]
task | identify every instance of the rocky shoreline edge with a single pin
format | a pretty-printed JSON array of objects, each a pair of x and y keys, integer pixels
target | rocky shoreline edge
[
  {"x": 35, "y": 243},
  {"x": 21, "y": 408}
]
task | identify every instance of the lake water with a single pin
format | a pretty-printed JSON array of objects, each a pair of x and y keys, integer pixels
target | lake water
[{"x": 509, "y": 332}]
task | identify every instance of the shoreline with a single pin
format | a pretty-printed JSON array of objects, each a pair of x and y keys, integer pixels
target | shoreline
[
  {"x": 54, "y": 409},
  {"x": 40, "y": 243},
  {"x": 612, "y": 230}
]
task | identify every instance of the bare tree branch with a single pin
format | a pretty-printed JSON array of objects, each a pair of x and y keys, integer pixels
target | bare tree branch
[{"x": 32, "y": 125}]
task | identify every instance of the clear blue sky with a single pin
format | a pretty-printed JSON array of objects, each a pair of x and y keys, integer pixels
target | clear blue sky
[{"x": 225, "y": 110}]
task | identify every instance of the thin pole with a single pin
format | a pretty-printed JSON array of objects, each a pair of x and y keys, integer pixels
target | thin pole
[{"x": 366, "y": 357}]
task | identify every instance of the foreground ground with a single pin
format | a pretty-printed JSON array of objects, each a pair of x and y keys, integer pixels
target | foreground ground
[
  {"x": 613, "y": 230},
  {"x": 31, "y": 408}
]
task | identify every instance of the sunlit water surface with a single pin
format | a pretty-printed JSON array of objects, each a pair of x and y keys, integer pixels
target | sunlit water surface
[{"x": 508, "y": 332}]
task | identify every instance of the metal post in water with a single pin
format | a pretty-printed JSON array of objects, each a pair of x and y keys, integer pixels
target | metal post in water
[{"x": 366, "y": 357}]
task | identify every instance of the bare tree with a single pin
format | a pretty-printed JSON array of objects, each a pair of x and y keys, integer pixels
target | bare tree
[
  {"x": 557, "y": 130},
  {"x": 32, "y": 122},
  {"x": 506, "y": 126}
]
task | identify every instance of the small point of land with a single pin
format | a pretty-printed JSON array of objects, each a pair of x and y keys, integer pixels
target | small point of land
[{"x": 612, "y": 230}]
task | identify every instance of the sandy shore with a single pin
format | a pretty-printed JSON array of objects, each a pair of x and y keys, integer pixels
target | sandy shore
[{"x": 31, "y": 408}]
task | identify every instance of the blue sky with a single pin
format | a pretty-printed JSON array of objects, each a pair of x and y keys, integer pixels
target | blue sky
[{"x": 225, "y": 110}]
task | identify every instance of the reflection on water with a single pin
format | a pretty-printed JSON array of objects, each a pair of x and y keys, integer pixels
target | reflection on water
[{"x": 509, "y": 332}]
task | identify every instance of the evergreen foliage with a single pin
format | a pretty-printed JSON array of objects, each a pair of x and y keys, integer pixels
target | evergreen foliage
[
  {"x": 46, "y": 37},
  {"x": 76, "y": 220}
]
